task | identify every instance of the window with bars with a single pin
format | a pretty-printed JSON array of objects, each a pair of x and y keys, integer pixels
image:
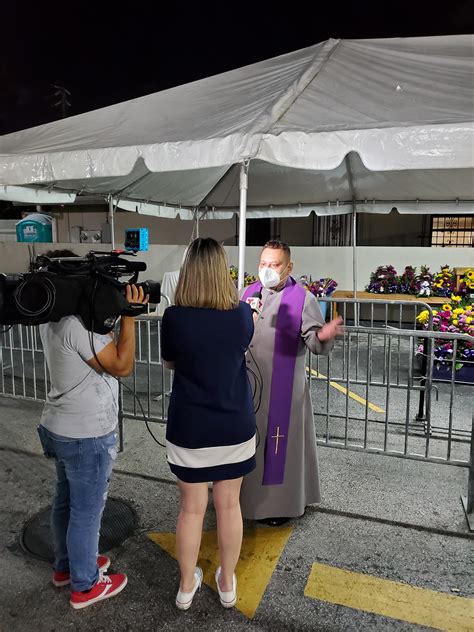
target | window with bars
[{"x": 454, "y": 232}]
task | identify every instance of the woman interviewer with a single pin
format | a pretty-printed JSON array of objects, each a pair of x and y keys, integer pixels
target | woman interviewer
[{"x": 211, "y": 422}]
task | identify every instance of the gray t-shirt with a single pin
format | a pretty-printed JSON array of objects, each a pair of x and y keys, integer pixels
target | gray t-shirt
[{"x": 81, "y": 403}]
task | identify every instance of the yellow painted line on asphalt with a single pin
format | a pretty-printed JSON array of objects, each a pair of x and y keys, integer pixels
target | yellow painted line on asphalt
[
  {"x": 261, "y": 550},
  {"x": 352, "y": 395},
  {"x": 438, "y": 610}
]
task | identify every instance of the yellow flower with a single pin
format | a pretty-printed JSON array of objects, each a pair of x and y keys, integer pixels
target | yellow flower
[
  {"x": 455, "y": 321},
  {"x": 470, "y": 285},
  {"x": 455, "y": 298},
  {"x": 458, "y": 311},
  {"x": 470, "y": 274},
  {"x": 468, "y": 320},
  {"x": 435, "y": 312},
  {"x": 423, "y": 316},
  {"x": 446, "y": 307}
]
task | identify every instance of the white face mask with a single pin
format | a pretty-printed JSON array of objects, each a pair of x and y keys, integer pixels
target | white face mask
[{"x": 269, "y": 278}]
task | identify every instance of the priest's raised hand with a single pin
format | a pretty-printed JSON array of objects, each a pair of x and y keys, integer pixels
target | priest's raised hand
[{"x": 331, "y": 329}]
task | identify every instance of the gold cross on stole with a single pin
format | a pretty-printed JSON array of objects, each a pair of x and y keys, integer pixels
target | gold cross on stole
[{"x": 278, "y": 436}]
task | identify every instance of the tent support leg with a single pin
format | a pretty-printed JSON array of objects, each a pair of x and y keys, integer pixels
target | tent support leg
[
  {"x": 354, "y": 251},
  {"x": 244, "y": 170},
  {"x": 111, "y": 222},
  {"x": 350, "y": 179},
  {"x": 354, "y": 263}
]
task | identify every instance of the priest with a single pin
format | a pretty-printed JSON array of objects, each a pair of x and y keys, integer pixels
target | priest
[{"x": 288, "y": 321}]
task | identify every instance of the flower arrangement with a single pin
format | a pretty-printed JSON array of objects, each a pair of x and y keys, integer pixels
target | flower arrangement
[
  {"x": 408, "y": 282},
  {"x": 424, "y": 282},
  {"x": 451, "y": 319},
  {"x": 321, "y": 287},
  {"x": 466, "y": 286},
  {"x": 248, "y": 278},
  {"x": 444, "y": 282},
  {"x": 384, "y": 280}
]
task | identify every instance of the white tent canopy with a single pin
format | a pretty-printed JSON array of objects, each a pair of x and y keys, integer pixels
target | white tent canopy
[
  {"x": 342, "y": 126},
  {"x": 400, "y": 104}
]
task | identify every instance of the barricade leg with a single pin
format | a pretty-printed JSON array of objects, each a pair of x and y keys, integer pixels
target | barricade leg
[
  {"x": 468, "y": 500},
  {"x": 120, "y": 417},
  {"x": 424, "y": 366}
]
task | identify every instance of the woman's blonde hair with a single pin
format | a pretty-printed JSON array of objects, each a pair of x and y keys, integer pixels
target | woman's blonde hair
[{"x": 204, "y": 278}]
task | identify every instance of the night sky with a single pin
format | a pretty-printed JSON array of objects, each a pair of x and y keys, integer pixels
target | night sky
[{"x": 104, "y": 54}]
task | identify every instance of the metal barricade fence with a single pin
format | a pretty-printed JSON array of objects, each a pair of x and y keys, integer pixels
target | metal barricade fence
[
  {"x": 382, "y": 313},
  {"x": 23, "y": 367},
  {"x": 359, "y": 406},
  {"x": 386, "y": 314},
  {"x": 377, "y": 413},
  {"x": 24, "y": 373},
  {"x": 371, "y": 370},
  {"x": 364, "y": 393},
  {"x": 146, "y": 391}
]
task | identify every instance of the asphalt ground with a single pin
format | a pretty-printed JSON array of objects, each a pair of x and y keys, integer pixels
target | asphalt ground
[
  {"x": 389, "y": 519},
  {"x": 388, "y": 548}
]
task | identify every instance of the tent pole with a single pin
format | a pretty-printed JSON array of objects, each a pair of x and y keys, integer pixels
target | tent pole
[
  {"x": 354, "y": 264},
  {"x": 350, "y": 179},
  {"x": 243, "y": 186},
  {"x": 354, "y": 251},
  {"x": 111, "y": 222}
]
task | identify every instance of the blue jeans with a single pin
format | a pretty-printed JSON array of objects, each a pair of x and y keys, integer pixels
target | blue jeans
[{"x": 83, "y": 468}]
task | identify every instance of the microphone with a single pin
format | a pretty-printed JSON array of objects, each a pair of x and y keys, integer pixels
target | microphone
[{"x": 255, "y": 302}]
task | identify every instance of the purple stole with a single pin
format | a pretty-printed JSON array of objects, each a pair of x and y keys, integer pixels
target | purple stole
[{"x": 287, "y": 336}]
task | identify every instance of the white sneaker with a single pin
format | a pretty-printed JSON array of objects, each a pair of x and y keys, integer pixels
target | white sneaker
[
  {"x": 228, "y": 598},
  {"x": 184, "y": 600}
]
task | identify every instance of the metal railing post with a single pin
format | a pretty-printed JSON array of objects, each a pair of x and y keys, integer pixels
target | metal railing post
[{"x": 468, "y": 500}]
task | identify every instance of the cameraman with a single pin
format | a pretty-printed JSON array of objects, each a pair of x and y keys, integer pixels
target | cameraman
[{"x": 78, "y": 430}]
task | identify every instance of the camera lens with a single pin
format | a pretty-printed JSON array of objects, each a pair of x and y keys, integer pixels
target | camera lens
[{"x": 153, "y": 289}]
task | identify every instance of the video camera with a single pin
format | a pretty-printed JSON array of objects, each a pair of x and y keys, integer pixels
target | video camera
[{"x": 62, "y": 286}]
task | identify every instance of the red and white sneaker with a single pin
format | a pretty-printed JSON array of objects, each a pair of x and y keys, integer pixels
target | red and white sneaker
[
  {"x": 63, "y": 579},
  {"x": 107, "y": 586}
]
